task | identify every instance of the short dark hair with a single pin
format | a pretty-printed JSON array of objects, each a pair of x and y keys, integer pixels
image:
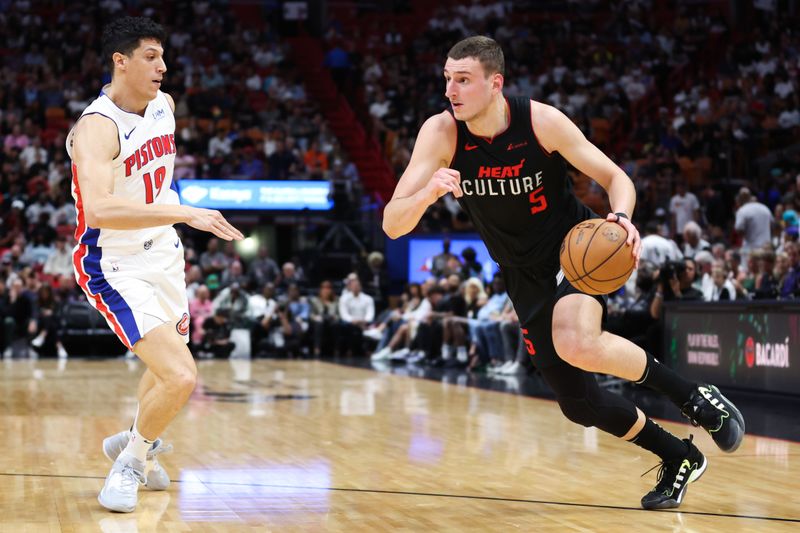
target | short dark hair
[
  {"x": 436, "y": 289},
  {"x": 484, "y": 49},
  {"x": 124, "y": 35}
]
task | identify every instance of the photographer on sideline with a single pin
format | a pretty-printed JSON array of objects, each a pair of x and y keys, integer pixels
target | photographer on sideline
[{"x": 675, "y": 283}]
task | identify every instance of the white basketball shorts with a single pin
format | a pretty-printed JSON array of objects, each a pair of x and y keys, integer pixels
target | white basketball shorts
[{"x": 136, "y": 287}]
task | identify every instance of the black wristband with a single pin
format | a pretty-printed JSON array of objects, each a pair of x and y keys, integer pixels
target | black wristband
[{"x": 621, "y": 215}]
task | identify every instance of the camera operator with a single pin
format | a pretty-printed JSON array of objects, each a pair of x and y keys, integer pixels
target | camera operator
[
  {"x": 634, "y": 320},
  {"x": 675, "y": 280}
]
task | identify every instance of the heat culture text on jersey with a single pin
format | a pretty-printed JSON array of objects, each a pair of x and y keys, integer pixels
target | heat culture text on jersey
[
  {"x": 506, "y": 180},
  {"x": 150, "y": 151}
]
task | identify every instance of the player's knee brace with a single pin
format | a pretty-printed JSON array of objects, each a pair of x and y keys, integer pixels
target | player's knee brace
[{"x": 583, "y": 401}]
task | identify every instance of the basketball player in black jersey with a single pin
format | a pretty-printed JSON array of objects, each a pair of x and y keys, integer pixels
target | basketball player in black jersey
[{"x": 504, "y": 159}]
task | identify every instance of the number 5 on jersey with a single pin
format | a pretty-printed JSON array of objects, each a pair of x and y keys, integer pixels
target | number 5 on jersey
[{"x": 159, "y": 175}]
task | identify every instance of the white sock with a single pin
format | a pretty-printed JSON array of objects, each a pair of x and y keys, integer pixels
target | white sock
[
  {"x": 447, "y": 351},
  {"x": 461, "y": 354},
  {"x": 137, "y": 447}
]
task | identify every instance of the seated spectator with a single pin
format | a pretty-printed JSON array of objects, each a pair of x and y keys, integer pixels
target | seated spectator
[
  {"x": 357, "y": 311},
  {"x": 633, "y": 320},
  {"x": 59, "y": 262},
  {"x": 20, "y": 320},
  {"x": 194, "y": 278},
  {"x": 723, "y": 288},
  {"x": 251, "y": 167},
  {"x": 791, "y": 283},
  {"x": 234, "y": 299},
  {"x": 657, "y": 249},
  {"x": 262, "y": 312},
  {"x": 48, "y": 315},
  {"x": 213, "y": 261},
  {"x": 316, "y": 161},
  {"x": 485, "y": 328},
  {"x": 37, "y": 251},
  {"x": 675, "y": 284},
  {"x": 324, "y": 319},
  {"x": 234, "y": 274},
  {"x": 263, "y": 269},
  {"x": 200, "y": 308},
  {"x": 298, "y": 306},
  {"x": 766, "y": 286},
  {"x": 217, "y": 335},
  {"x": 703, "y": 280},
  {"x": 693, "y": 241},
  {"x": 289, "y": 275}
]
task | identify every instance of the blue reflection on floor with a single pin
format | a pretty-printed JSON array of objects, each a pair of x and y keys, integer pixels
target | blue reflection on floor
[{"x": 280, "y": 492}]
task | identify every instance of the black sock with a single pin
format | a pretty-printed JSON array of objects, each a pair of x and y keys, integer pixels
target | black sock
[
  {"x": 663, "y": 379},
  {"x": 656, "y": 439}
]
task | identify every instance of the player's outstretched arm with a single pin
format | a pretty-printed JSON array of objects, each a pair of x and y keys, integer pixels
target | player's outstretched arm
[
  {"x": 426, "y": 178},
  {"x": 94, "y": 147}
]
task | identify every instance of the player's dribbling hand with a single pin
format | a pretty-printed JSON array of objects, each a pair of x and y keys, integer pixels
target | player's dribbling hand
[
  {"x": 213, "y": 222},
  {"x": 633, "y": 235},
  {"x": 443, "y": 181}
]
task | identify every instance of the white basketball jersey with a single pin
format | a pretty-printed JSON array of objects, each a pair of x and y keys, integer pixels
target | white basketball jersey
[{"x": 142, "y": 170}]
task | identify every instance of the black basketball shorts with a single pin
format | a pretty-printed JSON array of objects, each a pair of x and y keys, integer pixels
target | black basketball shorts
[{"x": 534, "y": 299}]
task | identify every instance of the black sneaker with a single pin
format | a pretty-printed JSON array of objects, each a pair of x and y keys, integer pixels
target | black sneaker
[
  {"x": 673, "y": 478},
  {"x": 708, "y": 408}
]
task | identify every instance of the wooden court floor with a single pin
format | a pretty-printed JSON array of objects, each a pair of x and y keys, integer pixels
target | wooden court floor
[{"x": 313, "y": 446}]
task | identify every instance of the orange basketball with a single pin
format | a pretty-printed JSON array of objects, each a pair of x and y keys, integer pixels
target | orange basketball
[{"x": 594, "y": 257}]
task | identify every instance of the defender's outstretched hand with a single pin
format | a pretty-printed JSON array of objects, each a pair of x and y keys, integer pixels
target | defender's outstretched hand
[
  {"x": 633, "y": 235},
  {"x": 213, "y": 222}
]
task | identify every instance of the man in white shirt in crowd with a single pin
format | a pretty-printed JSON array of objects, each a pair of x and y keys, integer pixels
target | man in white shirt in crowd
[
  {"x": 683, "y": 207},
  {"x": 657, "y": 249},
  {"x": 59, "y": 262},
  {"x": 357, "y": 311},
  {"x": 693, "y": 241},
  {"x": 704, "y": 282},
  {"x": 753, "y": 221}
]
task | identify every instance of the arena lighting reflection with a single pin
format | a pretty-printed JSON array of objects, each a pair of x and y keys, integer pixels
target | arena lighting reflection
[
  {"x": 425, "y": 448},
  {"x": 280, "y": 492}
]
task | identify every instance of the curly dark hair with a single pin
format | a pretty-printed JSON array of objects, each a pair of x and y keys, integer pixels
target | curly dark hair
[{"x": 124, "y": 34}]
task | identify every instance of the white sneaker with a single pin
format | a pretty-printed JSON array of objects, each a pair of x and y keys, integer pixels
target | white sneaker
[
  {"x": 38, "y": 341},
  {"x": 382, "y": 354},
  {"x": 373, "y": 333},
  {"x": 461, "y": 355},
  {"x": 511, "y": 369},
  {"x": 121, "y": 488},
  {"x": 400, "y": 355},
  {"x": 416, "y": 356},
  {"x": 504, "y": 367},
  {"x": 156, "y": 477},
  {"x": 493, "y": 369}
]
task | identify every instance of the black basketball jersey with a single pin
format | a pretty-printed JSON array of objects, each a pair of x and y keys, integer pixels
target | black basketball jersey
[{"x": 519, "y": 197}]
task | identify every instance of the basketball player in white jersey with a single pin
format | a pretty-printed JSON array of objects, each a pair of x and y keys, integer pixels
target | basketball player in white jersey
[{"x": 129, "y": 259}]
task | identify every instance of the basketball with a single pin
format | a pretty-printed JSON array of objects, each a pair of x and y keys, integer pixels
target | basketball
[{"x": 594, "y": 257}]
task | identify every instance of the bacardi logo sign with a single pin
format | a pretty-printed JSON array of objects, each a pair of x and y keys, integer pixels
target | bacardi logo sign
[{"x": 770, "y": 354}]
